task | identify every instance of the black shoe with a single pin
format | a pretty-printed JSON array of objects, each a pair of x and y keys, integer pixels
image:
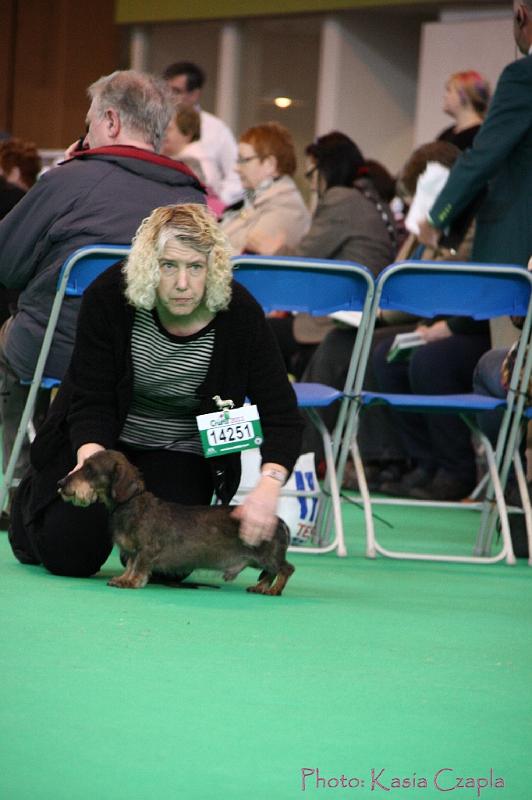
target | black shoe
[
  {"x": 350, "y": 480},
  {"x": 393, "y": 472},
  {"x": 418, "y": 477},
  {"x": 444, "y": 486}
]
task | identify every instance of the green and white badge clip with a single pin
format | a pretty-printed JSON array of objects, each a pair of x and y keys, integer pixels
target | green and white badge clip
[{"x": 230, "y": 429}]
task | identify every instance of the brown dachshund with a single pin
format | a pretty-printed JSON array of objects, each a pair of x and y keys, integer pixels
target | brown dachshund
[{"x": 154, "y": 534}]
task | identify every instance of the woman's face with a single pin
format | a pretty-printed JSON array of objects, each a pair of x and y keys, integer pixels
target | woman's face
[
  {"x": 452, "y": 102},
  {"x": 183, "y": 280},
  {"x": 252, "y": 170},
  {"x": 174, "y": 141}
]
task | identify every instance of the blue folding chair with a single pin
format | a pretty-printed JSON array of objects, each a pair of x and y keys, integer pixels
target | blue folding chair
[
  {"x": 430, "y": 289},
  {"x": 77, "y": 272},
  {"x": 318, "y": 287}
]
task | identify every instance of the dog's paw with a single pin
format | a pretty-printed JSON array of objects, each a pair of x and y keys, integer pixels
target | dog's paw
[
  {"x": 258, "y": 588},
  {"x": 261, "y": 588},
  {"x": 272, "y": 591},
  {"x": 121, "y": 582}
]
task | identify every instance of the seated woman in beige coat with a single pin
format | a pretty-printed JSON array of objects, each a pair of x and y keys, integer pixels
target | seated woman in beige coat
[{"x": 273, "y": 207}]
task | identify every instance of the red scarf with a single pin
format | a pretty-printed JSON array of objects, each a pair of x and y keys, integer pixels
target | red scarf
[{"x": 129, "y": 151}]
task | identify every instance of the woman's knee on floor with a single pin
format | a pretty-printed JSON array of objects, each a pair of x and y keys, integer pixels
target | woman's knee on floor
[{"x": 73, "y": 541}]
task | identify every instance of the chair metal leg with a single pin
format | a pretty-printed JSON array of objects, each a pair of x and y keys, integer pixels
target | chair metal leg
[
  {"x": 373, "y": 545},
  {"x": 27, "y": 415},
  {"x": 479, "y": 488},
  {"x": 507, "y": 549},
  {"x": 338, "y": 543},
  {"x": 525, "y": 500},
  {"x": 371, "y": 549}
]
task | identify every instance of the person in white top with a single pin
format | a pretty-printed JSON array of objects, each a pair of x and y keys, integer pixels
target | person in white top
[
  {"x": 181, "y": 141},
  {"x": 186, "y": 80}
]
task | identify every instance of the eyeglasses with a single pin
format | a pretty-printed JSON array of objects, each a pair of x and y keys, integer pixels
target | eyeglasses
[{"x": 241, "y": 160}]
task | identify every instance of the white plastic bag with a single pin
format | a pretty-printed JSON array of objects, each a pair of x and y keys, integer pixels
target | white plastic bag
[{"x": 299, "y": 513}]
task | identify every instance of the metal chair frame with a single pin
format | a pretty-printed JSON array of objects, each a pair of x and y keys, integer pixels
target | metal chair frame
[
  {"x": 436, "y": 289},
  {"x": 318, "y": 287},
  {"x": 77, "y": 272}
]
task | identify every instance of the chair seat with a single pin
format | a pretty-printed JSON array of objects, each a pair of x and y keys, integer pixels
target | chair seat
[
  {"x": 316, "y": 394},
  {"x": 451, "y": 403},
  {"x": 46, "y": 383}
]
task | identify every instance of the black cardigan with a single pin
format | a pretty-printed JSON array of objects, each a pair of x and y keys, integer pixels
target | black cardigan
[{"x": 94, "y": 398}]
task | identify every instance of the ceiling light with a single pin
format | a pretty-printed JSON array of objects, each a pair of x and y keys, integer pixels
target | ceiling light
[{"x": 283, "y": 102}]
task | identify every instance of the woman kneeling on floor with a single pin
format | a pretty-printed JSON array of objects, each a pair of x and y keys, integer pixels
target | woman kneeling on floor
[{"x": 158, "y": 338}]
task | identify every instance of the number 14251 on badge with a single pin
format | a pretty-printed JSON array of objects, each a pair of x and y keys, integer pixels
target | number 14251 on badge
[{"x": 230, "y": 431}]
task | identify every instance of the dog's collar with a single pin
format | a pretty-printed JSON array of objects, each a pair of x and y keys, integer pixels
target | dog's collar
[{"x": 116, "y": 503}]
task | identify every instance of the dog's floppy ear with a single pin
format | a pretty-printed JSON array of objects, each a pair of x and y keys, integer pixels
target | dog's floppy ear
[{"x": 126, "y": 482}]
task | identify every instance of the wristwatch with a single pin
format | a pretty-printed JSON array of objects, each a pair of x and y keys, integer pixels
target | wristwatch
[{"x": 276, "y": 474}]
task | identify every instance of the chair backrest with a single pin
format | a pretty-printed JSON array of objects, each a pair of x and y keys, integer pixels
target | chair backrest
[
  {"x": 480, "y": 291},
  {"x": 433, "y": 288},
  {"x": 316, "y": 286},
  {"x": 85, "y": 264}
]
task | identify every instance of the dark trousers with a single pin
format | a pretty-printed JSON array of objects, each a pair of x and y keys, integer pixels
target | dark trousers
[
  {"x": 442, "y": 367},
  {"x": 74, "y": 541}
]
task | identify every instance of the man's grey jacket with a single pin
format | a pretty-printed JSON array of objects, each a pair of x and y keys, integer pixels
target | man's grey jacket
[{"x": 98, "y": 197}]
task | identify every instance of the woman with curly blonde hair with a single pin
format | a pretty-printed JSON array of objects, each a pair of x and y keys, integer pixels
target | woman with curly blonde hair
[
  {"x": 195, "y": 228},
  {"x": 159, "y": 338}
]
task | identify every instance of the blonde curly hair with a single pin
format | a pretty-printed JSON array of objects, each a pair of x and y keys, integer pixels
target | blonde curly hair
[{"x": 195, "y": 227}]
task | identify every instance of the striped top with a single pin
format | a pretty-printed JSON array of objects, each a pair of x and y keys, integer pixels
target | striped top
[{"x": 167, "y": 371}]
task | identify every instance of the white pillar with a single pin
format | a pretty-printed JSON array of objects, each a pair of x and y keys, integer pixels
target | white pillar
[
  {"x": 228, "y": 78},
  {"x": 329, "y": 75},
  {"x": 138, "y": 49}
]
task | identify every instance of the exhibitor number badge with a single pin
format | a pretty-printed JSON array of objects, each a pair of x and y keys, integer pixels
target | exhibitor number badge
[{"x": 230, "y": 430}]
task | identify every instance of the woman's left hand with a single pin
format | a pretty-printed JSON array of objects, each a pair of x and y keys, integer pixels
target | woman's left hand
[
  {"x": 432, "y": 333},
  {"x": 258, "y": 512}
]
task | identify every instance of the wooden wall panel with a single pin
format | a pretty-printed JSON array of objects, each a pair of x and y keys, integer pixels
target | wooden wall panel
[
  {"x": 60, "y": 48},
  {"x": 7, "y": 38}
]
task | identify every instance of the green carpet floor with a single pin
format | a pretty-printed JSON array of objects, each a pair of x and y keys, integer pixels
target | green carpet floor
[{"x": 361, "y": 667}]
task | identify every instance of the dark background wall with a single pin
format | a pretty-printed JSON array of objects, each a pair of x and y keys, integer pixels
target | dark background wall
[{"x": 50, "y": 51}]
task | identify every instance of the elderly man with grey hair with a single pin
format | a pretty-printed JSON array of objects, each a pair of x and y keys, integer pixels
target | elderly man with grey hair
[{"x": 99, "y": 194}]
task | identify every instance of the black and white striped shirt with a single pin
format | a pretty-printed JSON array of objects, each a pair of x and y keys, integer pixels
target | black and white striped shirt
[{"x": 167, "y": 372}]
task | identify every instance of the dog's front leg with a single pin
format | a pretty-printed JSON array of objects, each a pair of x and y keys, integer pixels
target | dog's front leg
[{"x": 136, "y": 575}]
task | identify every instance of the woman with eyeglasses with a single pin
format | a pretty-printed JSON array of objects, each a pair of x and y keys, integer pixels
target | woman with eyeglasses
[{"x": 273, "y": 207}]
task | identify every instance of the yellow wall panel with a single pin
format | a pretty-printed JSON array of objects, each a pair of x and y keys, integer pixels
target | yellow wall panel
[{"x": 130, "y": 11}]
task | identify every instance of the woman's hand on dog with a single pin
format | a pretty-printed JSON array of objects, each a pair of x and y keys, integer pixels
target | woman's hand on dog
[
  {"x": 258, "y": 512},
  {"x": 85, "y": 452}
]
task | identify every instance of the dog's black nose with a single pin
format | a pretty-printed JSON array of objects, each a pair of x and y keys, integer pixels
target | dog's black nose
[{"x": 60, "y": 484}]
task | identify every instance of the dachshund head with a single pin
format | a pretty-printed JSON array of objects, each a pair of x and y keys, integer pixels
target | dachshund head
[{"x": 106, "y": 476}]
